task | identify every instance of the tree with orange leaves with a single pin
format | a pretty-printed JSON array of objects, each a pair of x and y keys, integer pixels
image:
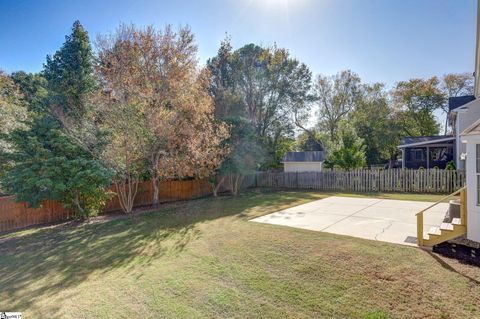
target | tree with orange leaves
[{"x": 156, "y": 73}]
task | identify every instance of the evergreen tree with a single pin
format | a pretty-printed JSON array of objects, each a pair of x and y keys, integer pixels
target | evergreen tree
[
  {"x": 47, "y": 165},
  {"x": 33, "y": 89},
  {"x": 70, "y": 74},
  {"x": 44, "y": 161}
]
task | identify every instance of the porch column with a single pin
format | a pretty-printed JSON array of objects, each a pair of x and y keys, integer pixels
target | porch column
[
  {"x": 403, "y": 158},
  {"x": 428, "y": 157}
]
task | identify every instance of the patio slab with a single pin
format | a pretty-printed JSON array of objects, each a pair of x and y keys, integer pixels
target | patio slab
[{"x": 386, "y": 220}]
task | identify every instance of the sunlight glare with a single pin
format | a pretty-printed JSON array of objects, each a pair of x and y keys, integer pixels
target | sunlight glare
[{"x": 285, "y": 4}]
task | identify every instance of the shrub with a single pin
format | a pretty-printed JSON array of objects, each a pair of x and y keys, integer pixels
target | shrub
[{"x": 451, "y": 166}]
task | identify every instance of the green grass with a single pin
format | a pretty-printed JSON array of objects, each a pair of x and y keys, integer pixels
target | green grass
[{"x": 203, "y": 259}]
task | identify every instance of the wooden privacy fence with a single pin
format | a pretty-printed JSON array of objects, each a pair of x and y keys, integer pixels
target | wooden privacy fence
[
  {"x": 391, "y": 180},
  {"x": 15, "y": 215}
]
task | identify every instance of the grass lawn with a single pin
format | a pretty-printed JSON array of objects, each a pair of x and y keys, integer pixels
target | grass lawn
[{"x": 203, "y": 259}]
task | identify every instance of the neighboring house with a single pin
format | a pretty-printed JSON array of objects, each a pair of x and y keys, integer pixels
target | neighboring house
[
  {"x": 309, "y": 161},
  {"x": 427, "y": 151},
  {"x": 431, "y": 151},
  {"x": 463, "y": 112}
]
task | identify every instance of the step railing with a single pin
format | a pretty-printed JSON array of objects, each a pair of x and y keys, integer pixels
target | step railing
[{"x": 462, "y": 192}]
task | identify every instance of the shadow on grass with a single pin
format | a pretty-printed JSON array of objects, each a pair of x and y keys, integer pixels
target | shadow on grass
[
  {"x": 445, "y": 265},
  {"x": 41, "y": 264}
]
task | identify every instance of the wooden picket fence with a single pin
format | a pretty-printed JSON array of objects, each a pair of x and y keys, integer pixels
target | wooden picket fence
[
  {"x": 391, "y": 180},
  {"x": 15, "y": 215}
]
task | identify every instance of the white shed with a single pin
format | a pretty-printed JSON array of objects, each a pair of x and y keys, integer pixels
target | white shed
[{"x": 309, "y": 161}]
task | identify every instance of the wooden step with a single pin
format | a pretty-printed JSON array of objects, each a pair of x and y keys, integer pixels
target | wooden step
[
  {"x": 437, "y": 235},
  {"x": 457, "y": 221},
  {"x": 446, "y": 226},
  {"x": 435, "y": 231}
]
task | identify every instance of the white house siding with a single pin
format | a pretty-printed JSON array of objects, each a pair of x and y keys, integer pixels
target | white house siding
[
  {"x": 473, "y": 210},
  {"x": 302, "y": 167},
  {"x": 465, "y": 118}
]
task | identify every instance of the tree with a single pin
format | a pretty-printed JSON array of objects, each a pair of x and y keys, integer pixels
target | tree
[
  {"x": 350, "y": 153},
  {"x": 336, "y": 96},
  {"x": 453, "y": 85},
  {"x": 48, "y": 165},
  {"x": 263, "y": 84},
  {"x": 155, "y": 73},
  {"x": 48, "y": 160},
  {"x": 310, "y": 142},
  {"x": 70, "y": 74},
  {"x": 245, "y": 155},
  {"x": 13, "y": 114},
  {"x": 33, "y": 88},
  {"x": 415, "y": 102},
  {"x": 13, "y": 111},
  {"x": 124, "y": 150},
  {"x": 458, "y": 84},
  {"x": 374, "y": 121}
]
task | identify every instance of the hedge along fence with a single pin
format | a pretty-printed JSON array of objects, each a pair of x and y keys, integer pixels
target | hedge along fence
[
  {"x": 391, "y": 180},
  {"x": 15, "y": 215}
]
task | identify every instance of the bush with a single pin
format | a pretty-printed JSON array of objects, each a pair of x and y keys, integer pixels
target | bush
[
  {"x": 350, "y": 153},
  {"x": 451, "y": 166}
]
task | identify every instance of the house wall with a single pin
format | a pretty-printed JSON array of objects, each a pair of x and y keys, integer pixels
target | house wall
[
  {"x": 302, "y": 167},
  {"x": 473, "y": 210},
  {"x": 465, "y": 118}
]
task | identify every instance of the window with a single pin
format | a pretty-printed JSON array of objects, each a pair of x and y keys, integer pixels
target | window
[
  {"x": 438, "y": 154},
  {"x": 477, "y": 160},
  {"x": 418, "y": 154}
]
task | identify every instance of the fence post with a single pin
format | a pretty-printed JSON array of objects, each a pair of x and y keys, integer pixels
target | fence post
[
  {"x": 420, "y": 229},
  {"x": 463, "y": 206}
]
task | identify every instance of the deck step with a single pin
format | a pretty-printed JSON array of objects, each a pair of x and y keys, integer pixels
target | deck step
[
  {"x": 446, "y": 226},
  {"x": 457, "y": 221},
  {"x": 435, "y": 231}
]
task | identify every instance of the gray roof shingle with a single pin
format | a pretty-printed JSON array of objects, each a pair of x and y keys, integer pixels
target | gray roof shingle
[
  {"x": 455, "y": 102},
  {"x": 422, "y": 139}
]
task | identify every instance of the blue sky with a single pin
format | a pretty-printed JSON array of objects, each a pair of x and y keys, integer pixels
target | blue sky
[{"x": 382, "y": 40}]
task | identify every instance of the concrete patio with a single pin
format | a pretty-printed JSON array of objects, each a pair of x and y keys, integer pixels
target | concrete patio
[{"x": 386, "y": 220}]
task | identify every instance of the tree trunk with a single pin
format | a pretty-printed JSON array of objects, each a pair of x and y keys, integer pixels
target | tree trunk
[
  {"x": 79, "y": 210},
  {"x": 446, "y": 124},
  {"x": 216, "y": 187},
  {"x": 156, "y": 190},
  {"x": 127, "y": 188},
  {"x": 235, "y": 181},
  {"x": 231, "y": 179}
]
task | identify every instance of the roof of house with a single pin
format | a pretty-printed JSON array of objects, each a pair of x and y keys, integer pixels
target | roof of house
[
  {"x": 308, "y": 156},
  {"x": 457, "y": 101},
  {"x": 424, "y": 140},
  {"x": 473, "y": 129}
]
